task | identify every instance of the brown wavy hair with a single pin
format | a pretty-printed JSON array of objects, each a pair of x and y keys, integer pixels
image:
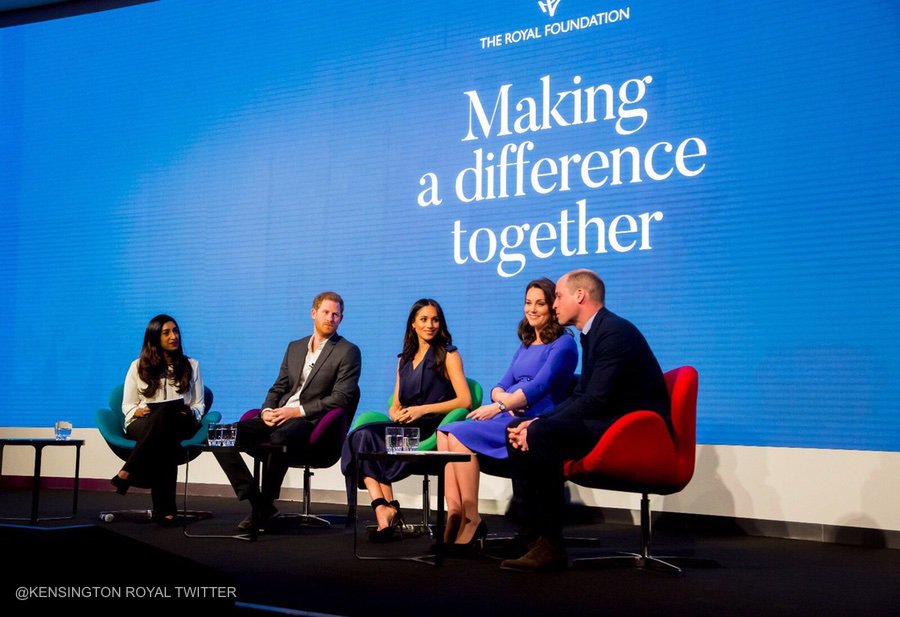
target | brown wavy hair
[{"x": 551, "y": 330}]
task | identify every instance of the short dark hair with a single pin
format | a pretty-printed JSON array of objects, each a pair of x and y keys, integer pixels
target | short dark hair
[{"x": 590, "y": 282}]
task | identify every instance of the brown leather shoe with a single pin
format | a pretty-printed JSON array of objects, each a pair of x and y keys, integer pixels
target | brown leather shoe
[{"x": 541, "y": 556}]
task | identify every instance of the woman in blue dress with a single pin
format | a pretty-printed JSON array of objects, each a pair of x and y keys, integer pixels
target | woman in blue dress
[
  {"x": 430, "y": 382},
  {"x": 538, "y": 379}
]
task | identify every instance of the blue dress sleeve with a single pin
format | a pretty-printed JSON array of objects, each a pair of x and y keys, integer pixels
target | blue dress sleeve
[
  {"x": 557, "y": 369},
  {"x": 508, "y": 379}
]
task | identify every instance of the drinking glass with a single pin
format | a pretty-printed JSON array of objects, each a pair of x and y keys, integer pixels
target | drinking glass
[
  {"x": 230, "y": 435},
  {"x": 214, "y": 435},
  {"x": 62, "y": 430},
  {"x": 393, "y": 439},
  {"x": 409, "y": 441}
]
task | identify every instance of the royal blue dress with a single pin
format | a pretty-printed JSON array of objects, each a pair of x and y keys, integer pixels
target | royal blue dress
[
  {"x": 544, "y": 373},
  {"x": 418, "y": 386}
]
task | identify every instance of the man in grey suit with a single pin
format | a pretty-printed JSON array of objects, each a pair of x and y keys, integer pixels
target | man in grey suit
[{"x": 318, "y": 373}]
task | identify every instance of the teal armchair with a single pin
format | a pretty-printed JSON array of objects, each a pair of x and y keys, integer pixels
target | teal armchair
[{"x": 111, "y": 423}]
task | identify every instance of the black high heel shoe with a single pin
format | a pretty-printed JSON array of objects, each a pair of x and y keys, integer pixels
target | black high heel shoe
[
  {"x": 474, "y": 546},
  {"x": 398, "y": 520},
  {"x": 121, "y": 484},
  {"x": 388, "y": 533}
]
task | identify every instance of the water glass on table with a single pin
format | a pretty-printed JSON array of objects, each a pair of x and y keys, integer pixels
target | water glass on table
[
  {"x": 214, "y": 435},
  {"x": 393, "y": 438},
  {"x": 229, "y": 434},
  {"x": 401, "y": 439},
  {"x": 62, "y": 430},
  {"x": 409, "y": 439}
]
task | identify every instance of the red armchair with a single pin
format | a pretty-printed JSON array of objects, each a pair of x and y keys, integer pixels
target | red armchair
[{"x": 639, "y": 455}]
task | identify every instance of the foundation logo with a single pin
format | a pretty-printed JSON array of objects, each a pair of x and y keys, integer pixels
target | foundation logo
[
  {"x": 554, "y": 27},
  {"x": 549, "y": 6}
]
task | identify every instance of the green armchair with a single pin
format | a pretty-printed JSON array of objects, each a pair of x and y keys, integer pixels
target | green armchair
[{"x": 455, "y": 415}]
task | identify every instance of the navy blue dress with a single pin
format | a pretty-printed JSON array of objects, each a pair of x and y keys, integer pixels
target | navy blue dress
[{"x": 418, "y": 386}]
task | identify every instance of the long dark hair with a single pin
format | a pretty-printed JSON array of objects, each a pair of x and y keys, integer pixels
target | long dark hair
[
  {"x": 438, "y": 343},
  {"x": 152, "y": 366},
  {"x": 551, "y": 330}
]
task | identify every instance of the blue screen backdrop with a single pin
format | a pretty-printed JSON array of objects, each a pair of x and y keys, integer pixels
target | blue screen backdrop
[{"x": 728, "y": 169}]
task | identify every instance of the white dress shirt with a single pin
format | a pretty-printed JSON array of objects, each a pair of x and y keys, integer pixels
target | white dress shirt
[{"x": 132, "y": 398}]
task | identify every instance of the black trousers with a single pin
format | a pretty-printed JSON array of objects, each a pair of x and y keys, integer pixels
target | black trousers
[
  {"x": 537, "y": 473},
  {"x": 251, "y": 434},
  {"x": 154, "y": 461}
]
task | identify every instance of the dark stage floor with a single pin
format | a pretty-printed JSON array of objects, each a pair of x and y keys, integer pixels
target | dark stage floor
[{"x": 307, "y": 571}]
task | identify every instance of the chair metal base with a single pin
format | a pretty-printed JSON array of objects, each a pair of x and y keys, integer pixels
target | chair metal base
[
  {"x": 630, "y": 560},
  {"x": 647, "y": 562},
  {"x": 418, "y": 529},
  {"x": 305, "y": 519},
  {"x": 644, "y": 559},
  {"x": 412, "y": 530}
]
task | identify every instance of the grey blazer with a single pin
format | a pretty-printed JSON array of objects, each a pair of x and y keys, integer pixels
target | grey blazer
[{"x": 333, "y": 381}]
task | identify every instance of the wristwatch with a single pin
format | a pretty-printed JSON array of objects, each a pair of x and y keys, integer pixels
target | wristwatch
[{"x": 501, "y": 405}]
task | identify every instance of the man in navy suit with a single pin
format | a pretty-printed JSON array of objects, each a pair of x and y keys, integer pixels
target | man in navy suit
[
  {"x": 619, "y": 375},
  {"x": 318, "y": 373}
]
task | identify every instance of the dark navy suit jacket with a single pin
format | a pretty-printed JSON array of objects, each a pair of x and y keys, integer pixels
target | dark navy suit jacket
[{"x": 619, "y": 374}]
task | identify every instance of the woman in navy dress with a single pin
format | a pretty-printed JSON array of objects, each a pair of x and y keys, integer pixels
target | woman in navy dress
[
  {"x": 538, "y": 379},
  {"x": 430, "y": 382}
]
